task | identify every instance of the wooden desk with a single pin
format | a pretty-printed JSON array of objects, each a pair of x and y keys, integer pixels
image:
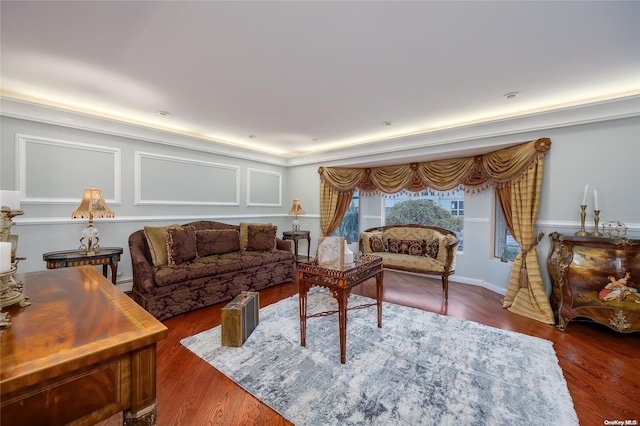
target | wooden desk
[
  {"x": 299, "y": 235},
  {"x": 104, "y": 256},
  {"x": 340, "y": 283},
  {"x": 81, "y": 352}
]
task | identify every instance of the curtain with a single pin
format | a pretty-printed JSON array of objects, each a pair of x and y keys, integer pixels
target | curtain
[
  {"x": 526, "y": 294},
  {"x": 333, "y": 206},
  {"x": 497, "y": 169},
  {"x": 515, "y": 172}
]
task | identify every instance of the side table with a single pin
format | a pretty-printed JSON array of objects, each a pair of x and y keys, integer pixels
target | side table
[
  {"x": 103, "y": 256},
  {"x": 298, "y": 235}
]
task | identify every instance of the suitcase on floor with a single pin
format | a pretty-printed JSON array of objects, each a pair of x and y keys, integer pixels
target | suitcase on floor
[{"x": 239, "y": 318}]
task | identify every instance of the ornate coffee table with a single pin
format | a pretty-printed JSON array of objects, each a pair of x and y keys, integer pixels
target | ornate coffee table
[{"x": 340, "y": 283}]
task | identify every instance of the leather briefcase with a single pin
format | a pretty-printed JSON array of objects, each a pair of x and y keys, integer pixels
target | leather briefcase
[{"x": 239, "y": 318}]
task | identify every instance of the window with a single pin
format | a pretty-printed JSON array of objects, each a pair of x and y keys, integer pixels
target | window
[
  {"x": 457, "y": 208},
  {"x": 442, "y": 210},
  {"x": 350, "y": 226},
  {"x": 505, "y": 247}
]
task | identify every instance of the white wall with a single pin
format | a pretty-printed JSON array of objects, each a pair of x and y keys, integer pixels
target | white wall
[
  {"x": 605, "y": 154},
  {"x": 193, "y": 185}
]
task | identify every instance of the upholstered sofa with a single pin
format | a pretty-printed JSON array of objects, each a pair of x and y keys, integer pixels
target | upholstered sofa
[
  {"x": 179, "y": 268},
  {"x": 414, "y": 248}
]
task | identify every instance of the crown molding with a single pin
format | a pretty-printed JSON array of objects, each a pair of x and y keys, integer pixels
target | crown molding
[
  {"x": 465, "y": 140},
  {"x": 460, "y": 140},
  {"x": 32, "y": 111}
]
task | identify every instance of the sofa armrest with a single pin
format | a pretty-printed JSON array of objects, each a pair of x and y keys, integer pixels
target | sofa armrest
[
  {"x": 452, "y": 249},
  {"x": 141, "y": 265},
  {"x": 283, "y": 244}
]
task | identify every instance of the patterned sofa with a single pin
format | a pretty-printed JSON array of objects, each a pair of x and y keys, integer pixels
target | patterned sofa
[
  {"x": 179, "y": 268},
  {"x": 414, "y": 248}
]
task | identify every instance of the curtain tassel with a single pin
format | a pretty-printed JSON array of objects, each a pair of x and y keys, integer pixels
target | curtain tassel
[{"x": 524, "y": 276}]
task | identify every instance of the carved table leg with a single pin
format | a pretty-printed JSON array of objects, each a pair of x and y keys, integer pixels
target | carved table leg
[
  {"x": 379, "y": 297},
  {"x": 303, "y": 288}
]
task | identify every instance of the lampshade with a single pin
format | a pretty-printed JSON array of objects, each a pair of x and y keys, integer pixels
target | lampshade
[
  {"x": 92, "y": 206},
  {"x": 296, "y": 210}
]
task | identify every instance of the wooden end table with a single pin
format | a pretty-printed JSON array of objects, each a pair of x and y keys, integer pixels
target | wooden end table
[
  {"x": 340, "y": 283},
  {"x": 107, "y": 256},
  {"x": 299, "y": 235},
  {"x": 80, "y": 353}
]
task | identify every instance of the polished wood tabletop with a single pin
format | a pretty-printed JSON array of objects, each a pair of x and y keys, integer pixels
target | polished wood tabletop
[{"x": 83, "y": 343}]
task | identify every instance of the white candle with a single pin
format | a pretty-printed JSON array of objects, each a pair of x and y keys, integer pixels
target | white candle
[
  {"x": 595, "y": 198},
  {"x": 5, "y": 257},
  {"x": 584, "y": 197},
  {"x": 10, "y": 199}
]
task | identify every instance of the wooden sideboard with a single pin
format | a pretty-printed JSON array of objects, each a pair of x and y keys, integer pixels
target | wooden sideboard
[
  {"x": 582, "y": 271},
  {"x": 80, "y": 353}
]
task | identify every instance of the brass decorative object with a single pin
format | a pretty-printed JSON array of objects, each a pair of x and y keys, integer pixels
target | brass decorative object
[
  {"x": 583, "y": 215},
  {"x": 619, "y": 320},
  {"x": 296, "y": 211},
  {"x": 92, "y": 205},
  {"x": 10, "y": 288},
  {"x": 596, "y": 219}
]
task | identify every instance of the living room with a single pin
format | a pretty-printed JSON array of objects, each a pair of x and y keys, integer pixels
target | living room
[{"x": 151, "y": 173}]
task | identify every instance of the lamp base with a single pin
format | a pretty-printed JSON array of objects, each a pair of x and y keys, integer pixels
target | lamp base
[{"x": 90, "y": 235}]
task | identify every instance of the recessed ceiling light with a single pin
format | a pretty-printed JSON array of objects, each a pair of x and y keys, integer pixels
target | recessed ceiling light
[
  {"x": 387, "y": 123},
  {"x": 511, "y": 95},
  {"x": 316, "y": 139},
  {"x": 164, "y": 113},
  {"x": 252, "y": 136}
]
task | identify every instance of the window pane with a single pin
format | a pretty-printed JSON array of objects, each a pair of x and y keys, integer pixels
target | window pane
[
  {"x": 506, "y": 247},
  {"x": 350, "y": 226},
  {"x": 442, "y": 210}
]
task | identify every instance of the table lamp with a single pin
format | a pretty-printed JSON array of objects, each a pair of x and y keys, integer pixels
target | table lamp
[
  {"x": 296, "y": 211},
  {"x": 92, "y": 205}
]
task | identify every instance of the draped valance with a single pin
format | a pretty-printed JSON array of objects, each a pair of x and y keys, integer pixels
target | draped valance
[{"x": 498, "y": 168}]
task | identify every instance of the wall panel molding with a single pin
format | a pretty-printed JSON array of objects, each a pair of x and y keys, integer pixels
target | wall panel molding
[
  {"x": 85, "y": 165},
  {"x": 264, "y": 188},
  {"x": 168, "y": 180}
]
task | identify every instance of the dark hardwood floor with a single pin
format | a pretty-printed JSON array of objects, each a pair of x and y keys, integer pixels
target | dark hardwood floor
[{"x": 601, "y": 366}]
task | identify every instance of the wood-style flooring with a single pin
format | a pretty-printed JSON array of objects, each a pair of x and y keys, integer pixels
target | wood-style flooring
[{"x": 601, "y": 366}]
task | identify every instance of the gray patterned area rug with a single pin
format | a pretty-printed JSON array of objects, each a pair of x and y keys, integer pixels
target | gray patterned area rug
[{"x": 420, "y": 368}]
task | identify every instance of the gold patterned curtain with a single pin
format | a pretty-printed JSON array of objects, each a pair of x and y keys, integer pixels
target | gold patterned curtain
[
  {"x": 515, "y": 172},
  {"x": 526, "y": 294}
]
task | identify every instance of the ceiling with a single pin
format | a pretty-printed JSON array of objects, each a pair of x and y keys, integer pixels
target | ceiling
[{"x": 297, "y": 78}]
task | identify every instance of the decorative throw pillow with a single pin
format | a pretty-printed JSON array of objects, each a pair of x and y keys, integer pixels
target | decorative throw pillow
[
  {"x": 244, "y": 227},
  {"x": 261, "y": 238},
  {"x": 157, "y": 241},
  {"x": 366, "y": 240},
  {"x": 376, "y": 244},
  {"x": 411, "y": 247},
  {"x": 431, "y": 248},
  {"x": 217, "y": 241},
  {"x": 181, "y": 245}
]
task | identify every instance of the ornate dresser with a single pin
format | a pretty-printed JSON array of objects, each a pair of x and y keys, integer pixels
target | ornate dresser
[{"x": 596, "y": 278}]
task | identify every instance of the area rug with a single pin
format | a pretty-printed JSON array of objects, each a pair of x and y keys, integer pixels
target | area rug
[{"x": 420, "y": 368}]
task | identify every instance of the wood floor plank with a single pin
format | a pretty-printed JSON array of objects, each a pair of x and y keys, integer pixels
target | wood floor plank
[{"x": 601, "y": 366}]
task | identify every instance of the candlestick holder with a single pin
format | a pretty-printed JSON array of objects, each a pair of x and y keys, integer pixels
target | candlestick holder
[
  {"x": 583, "y": 215},
  {"x": 596, "y": 219}
]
